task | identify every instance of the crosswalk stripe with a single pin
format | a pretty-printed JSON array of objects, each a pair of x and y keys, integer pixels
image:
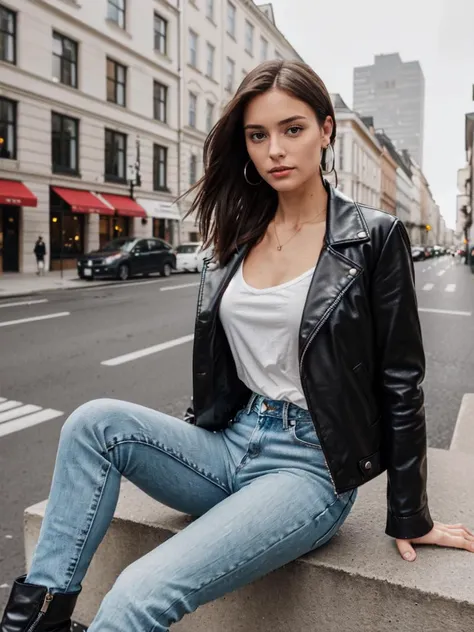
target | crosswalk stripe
[
  {"x": 18, "y": 412},
  {"x": 27, "y": 421},
  {"x": 441, "y": 272},
  {"x": 8, "y": 405},
  {"x": 2, "y": 399},
  {"x": 428, "y": 286},
  {"x": 451, "y": 287}
]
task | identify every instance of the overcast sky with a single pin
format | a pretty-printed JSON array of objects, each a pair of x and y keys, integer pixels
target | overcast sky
[{"x": 333, "y": 37}]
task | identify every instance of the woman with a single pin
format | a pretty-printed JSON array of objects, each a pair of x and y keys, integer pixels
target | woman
[{"x": 307, "y": 367}]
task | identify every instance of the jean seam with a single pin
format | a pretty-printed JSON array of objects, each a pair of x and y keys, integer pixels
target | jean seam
[
  {"x": 72, "y": 568},
  {"x": 349, "y": 500},
  {"x": 241, "y": 463},
  {"x": 300, "y": 441},
  {"x": 177, "y": 456},
  {"x": 253, "y": 557}
]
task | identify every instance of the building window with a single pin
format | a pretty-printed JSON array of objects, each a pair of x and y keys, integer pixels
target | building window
[
  {"x": 209, "y": 115},
  {"x": 65, "y": 144},
  {"x": 7, "y": 35},
  {"x": 278, "y": 56},
  {"x": 160, "y": 101},
  {"x": 192, "y": 109},
  {"x": 160, "y": 168},
  {"x": 116, "y": 12},
  {"x": 193, "y": 48},
  {"x": 116, "y": 82},
  {"x": 341, "y": 153},
  {"x": 8, "y": 129},
  {"x": 115, "y": 156},
  {"x": 231, "y": 13},
  {"x": 230, "y": 72},
  {"x": 210, "y": 10},
  {"x": 263, "y": 49},
  {"x": 210, "y": 60},
  {"x": 249, "y": 31},
  {"x": 192, "y": 169},
  {"x": 161, "y": 34},
  {"x": 65, "y": 60}
]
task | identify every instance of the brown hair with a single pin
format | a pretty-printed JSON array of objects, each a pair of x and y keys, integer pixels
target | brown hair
[{"x": 229, "y": 211}]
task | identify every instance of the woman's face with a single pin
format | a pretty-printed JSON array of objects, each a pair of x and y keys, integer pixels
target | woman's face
[{"x": 282, "y": 131}]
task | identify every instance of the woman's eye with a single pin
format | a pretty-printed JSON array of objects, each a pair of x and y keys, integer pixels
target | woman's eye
[
  {"x": 257, "y": 136},
  {"x": 294, "y": 130}
]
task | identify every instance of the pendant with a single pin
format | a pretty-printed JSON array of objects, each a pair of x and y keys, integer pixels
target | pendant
[{"x": 278, "y": 247}]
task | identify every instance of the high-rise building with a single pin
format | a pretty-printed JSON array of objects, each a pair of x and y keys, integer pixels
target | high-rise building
[{"x": 393, "y": 93}]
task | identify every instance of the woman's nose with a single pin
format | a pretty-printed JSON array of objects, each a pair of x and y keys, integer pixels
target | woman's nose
[{"x": 276, "y": 149}]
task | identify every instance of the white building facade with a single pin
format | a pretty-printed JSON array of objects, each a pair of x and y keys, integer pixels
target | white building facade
[{"x": 98, "y": 84}]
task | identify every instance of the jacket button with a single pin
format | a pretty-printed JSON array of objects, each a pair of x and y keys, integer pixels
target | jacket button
[
  {"x": 362, "y": 234},
  {"x": 352, "y": 271},
  {"x": 368, "y": 465}
]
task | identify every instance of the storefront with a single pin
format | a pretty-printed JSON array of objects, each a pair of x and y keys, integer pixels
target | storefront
[
  {"x": 13, "y": 196},
  {"x": 69, "y": 217},
  {"x": 165, "y": 217},
  {"x": 122, "y": 224}
]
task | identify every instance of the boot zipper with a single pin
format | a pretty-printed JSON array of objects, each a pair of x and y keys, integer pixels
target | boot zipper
[{"x": 44, "y": 609}]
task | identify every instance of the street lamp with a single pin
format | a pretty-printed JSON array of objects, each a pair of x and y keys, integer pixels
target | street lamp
[{"x": 135, "y": 177}]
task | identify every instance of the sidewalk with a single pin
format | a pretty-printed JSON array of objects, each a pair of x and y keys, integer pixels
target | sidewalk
[{"x": 23, "y": 284}]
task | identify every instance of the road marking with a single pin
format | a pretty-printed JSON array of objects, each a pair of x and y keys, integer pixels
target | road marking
[
  {"x": 27, "y": 421},
  {"x": 121, "y": 284},
  {"x": 20, "y": 321},
  {"x": 440, "y": 273},
  {"x": 6, "y": 405},
  {"x": 135, "y": 355},
  {"x": 177, "y": 287},
  {"x": 428, "y": 286},
  {"x": 42, "y": 300},
  {"x": 451, "y": 287},
  {"x": 19, "y": 411},
  {"x": 444, "y": 311}
]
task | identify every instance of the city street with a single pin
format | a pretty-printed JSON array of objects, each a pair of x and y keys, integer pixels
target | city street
[{"x": 134, "y": 341}]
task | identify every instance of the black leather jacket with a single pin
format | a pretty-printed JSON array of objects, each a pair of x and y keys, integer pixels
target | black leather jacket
[{"x": 361, "y": 359}]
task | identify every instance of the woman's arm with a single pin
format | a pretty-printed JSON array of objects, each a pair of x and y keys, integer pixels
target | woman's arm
[{"x": 401, "y": 363}]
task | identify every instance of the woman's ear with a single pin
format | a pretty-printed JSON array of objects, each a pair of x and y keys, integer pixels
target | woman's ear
[{"x": 328, "y": 126}]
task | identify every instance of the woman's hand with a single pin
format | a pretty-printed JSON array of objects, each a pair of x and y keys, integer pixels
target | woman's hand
[{"x": 456, "y": 536}]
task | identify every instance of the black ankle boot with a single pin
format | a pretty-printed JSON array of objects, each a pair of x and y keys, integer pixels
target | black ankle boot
[{"x": 33, "y": 609}]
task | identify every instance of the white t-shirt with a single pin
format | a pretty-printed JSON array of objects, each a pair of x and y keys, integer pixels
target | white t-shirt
[{"x": 262, "y": 327}]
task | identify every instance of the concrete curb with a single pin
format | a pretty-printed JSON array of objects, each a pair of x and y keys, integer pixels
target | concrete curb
[{"x": 463, "y": 435}]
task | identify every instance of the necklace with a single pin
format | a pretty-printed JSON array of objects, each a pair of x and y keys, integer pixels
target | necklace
[{"x": 297, "y": 230}]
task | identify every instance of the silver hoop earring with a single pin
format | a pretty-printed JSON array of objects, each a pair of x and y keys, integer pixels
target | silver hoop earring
[
  {"x": 252, "y": 184},
  {"x": 324, "y": 160}
]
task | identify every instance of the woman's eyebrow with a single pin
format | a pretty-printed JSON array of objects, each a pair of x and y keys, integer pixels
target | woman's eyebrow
[{"x": 291, "y": 119}]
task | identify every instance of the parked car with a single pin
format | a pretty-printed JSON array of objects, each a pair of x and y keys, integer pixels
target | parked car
[
  {"x": 125, "y": 257},
  {"x": 187, "y": 256},
  {"x": 418, "y": 253}
]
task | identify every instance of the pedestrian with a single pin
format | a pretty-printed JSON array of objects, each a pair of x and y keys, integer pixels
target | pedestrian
[
  {"x": 307, "y": 367},
  {"x": 40, "y": 253}
]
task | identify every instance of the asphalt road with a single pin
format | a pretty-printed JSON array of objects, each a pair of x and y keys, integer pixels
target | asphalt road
[{"x": 55, "y": 364}]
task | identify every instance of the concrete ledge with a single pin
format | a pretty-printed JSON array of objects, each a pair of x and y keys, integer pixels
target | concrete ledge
[
  {"x": 356, "y": 583},
  {"x": 463, "y": 436}
]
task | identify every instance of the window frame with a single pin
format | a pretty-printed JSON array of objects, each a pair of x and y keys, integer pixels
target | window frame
[
  {"x": 210, "y": 59},
  {"x": 249, "y": 30},
  {"x": 116, "y": 82},
  {"x": 6, "y": 34},
  {"x": 230, "y": 63},
  {"x": 110, "y": 177},
  {"x": 121, "y": 11},
  {"x": 57, "y": 167},
  {"x": 159, "y": 152},
  {"x": 192, "y": 169},
  {"x": 62, "y": 38},
  {"x": 162, "y": 36},
  {"x": 263, "y": 45},
  {"x": 210, "y": 10},
  {"x": 13, "y": 123},
  {"x": 231, "y": 12},
  {"x": 210, "y": 109},
  {"x": 193, "y": 51},
  {"x": 158, "y": 101},
  {"x": 192, "y": 96}
]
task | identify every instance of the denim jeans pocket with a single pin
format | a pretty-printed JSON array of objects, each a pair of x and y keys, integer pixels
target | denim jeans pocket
[{"x": 302, "y": 432}]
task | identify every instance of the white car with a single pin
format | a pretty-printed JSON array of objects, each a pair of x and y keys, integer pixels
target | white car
[{"x": 189, "y": 257}]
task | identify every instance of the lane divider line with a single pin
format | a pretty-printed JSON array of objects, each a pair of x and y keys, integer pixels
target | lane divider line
[
  {"x": 427, "y": 287},
  {"x": 135, "y": 355},
  {"x": 177, "y": 287},
  {"x": 33, "y": 319},
  {"x": 450, "y": 312},
  {"x": 21, "y": 303}
]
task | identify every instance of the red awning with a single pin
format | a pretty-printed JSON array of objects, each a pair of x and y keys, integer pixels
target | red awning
[
  {"x": 82, "y": 201},
  {"x": 124, "y": 206},
  {"x": 16, "y": 193}
]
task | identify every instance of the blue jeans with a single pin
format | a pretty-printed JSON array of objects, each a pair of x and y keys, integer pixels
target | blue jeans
[{"x": 260, "y": 491}]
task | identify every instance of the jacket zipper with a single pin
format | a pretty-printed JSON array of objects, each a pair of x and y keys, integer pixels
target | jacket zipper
[
  {"x": 44, "y": 609},
  {"x": 308, "y": 342}
]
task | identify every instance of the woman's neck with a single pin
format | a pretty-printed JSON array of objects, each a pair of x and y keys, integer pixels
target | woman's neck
[{"x": 302, "y": 205}]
